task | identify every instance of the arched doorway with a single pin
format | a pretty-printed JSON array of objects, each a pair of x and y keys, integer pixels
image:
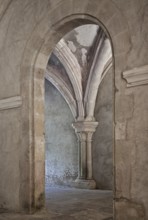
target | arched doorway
[
  {"x": 69, "y": 15},
  {"x": 85, "y": 123},
  {"x": 78, "y": 76}
]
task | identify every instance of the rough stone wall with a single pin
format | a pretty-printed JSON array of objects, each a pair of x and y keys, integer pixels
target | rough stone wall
[
  {"x": 60, "y": 139},
  {"x": 103, "y": 137},
  {"x": 23, "y": 28}
]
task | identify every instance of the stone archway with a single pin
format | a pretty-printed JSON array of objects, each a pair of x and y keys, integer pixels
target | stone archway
[
  {"x": 80, "y": 92},
  {"x": 65, "y": 16}
]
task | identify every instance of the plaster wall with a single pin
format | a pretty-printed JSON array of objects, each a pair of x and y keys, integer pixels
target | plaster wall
[
  {"x": 82, "y": 41},
  {"x": 9, "y": 162},
  {"x": 60, "y": 139},
  {"x": 103, "y": 137},
  {"x": 131, "y": 119},
  {"x": 23, "y": 29}
]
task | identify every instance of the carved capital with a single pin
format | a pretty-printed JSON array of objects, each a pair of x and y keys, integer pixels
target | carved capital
[
  {"x": 89, "y": 136},
  {"x": 82, "y": 137},
  {"x": 85, "y": 126}
]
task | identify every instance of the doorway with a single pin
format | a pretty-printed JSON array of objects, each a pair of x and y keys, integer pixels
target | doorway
[{"x": 79, "y": 124}]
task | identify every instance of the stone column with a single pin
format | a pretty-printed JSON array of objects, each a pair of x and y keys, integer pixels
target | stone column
[
  {"x": 82, "y": 155},
  {"x": 84, "y": 131},
  {"x": 89, "y": 155}
]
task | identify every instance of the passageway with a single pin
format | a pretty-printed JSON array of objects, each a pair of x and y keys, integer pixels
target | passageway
[{"x": 78, "y": 127}]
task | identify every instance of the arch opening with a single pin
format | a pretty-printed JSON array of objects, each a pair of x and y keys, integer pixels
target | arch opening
[{"x": 78, "y": 68}]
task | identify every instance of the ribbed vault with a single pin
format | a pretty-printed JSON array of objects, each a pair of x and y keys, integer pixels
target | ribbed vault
[{"x": 81, "y": 102}]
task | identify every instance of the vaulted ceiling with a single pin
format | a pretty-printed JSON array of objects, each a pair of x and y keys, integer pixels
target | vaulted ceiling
[{"x": 77, "y": 66}]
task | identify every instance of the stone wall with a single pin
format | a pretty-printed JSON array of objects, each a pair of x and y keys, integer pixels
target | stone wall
[
  {"x": 103, "y": 137},
  {"x": 60, "y": 139},
  {"x": 9, "y": 163}
]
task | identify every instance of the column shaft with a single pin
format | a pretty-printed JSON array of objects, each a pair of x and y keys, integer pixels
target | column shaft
[
  {"x": 82, "y": 158},
  {"x": 89, "y": 156}
]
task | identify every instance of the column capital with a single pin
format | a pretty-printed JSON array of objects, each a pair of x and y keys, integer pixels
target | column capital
[
  {"x": 82, "y": 136},
  {"x": 85, "y": 126}
]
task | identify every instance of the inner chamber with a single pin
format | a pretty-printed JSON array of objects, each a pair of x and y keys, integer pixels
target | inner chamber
[{"x": 79, "y": 125}]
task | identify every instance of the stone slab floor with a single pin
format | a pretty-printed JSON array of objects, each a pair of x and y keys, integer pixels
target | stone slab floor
[{"x": 71, "y": 204}]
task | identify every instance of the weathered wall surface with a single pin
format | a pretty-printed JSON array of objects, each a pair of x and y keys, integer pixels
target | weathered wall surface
[
  {"x": 29, "y": 22},
  {"x": 103, "y": 137},
  {"x": 131, "y": 116},
  {"x": 60, "y": 139},
  {"x": 9, "y": 163}
]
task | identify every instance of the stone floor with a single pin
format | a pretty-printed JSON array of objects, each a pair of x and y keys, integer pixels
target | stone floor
[{"x": 72, "y": 204}]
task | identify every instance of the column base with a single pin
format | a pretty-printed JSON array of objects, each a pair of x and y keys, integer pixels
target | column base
[{"x": 84, "y": 184}]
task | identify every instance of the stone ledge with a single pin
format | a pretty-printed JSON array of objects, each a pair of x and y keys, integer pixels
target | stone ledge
[
  {"x": 10, "y": 103},
  {"x": 84, "y": 184},
  {"x": 137, "y": 76},
  {"x": 85, "y": 126}
]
